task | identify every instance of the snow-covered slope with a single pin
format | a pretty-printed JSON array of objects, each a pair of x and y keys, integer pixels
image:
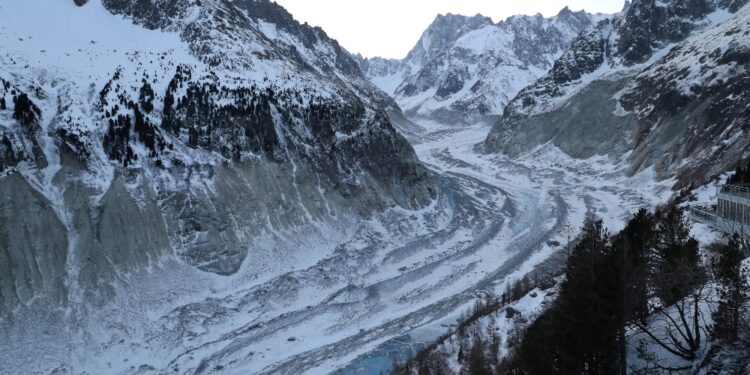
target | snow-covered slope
[
  {"x": 464, "y": 68},
  {"x": 590, "y": 103},
  {"x": 213, "y": 131}
]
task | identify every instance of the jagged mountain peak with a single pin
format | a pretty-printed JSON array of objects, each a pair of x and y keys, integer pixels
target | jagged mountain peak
[
  {"x": 484, "y": 66},
  {"x": 443, "y": 31},
  {"x": 566, "y": 14},
  {"x": 466, "y": 66},
  {"x": 455, "y": 17},
  {"x": 241, "y": 35},
  {"x": 457, "y": 21}
]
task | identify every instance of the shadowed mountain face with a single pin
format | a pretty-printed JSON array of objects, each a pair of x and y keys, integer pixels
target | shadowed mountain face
[
  {"x": 200, "y": 131},
  {"x": 466, "y": 68},
  {"x": 662, "y": 85}
]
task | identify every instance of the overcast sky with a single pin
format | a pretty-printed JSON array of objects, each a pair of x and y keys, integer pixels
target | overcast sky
[{"x": 390, "y": 28}]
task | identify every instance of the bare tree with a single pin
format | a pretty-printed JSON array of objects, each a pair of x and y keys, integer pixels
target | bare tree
[{"x": 680, "y": 330}]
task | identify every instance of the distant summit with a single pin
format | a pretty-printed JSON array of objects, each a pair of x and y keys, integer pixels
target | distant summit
[{"x": 468, "y": 67}]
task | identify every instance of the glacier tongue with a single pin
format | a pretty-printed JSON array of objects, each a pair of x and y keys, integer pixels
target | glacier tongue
[{"x": 399, "y": 272}]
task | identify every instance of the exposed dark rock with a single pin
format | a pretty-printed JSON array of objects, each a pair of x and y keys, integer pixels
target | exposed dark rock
[
  {"x": 649, "y": 24},
  {"x": 150, "y": 13},
  {"x": 646, "y": 26},
  {"x": 25, "y": 111}
]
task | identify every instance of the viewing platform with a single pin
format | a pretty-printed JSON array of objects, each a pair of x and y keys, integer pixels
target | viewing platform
[{"x": 730, "y": 214}]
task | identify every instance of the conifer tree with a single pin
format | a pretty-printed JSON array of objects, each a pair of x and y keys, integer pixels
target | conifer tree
[
  {"x": 477, "y": 362},
  {"x": 677, "y": 268},
  {"x": 733, "y": 289},
  {"x": 629, "y": 265},
  {"x": 585, "y": 317}
]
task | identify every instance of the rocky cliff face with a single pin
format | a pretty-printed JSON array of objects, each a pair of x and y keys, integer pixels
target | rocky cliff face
[
  {"x": 693, "y": 105},
  {"x": 138, "y": 132},
  {"x": 467, "y": 68},
  {"x": 675, "y": 105}
]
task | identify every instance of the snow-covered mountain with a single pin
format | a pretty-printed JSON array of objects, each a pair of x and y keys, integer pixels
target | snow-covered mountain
[
  {"x": 208, "y": 186},
  {"x": 649, "y": 86},
  {"x": 389, "y": 74},
  {"x": 469, "y": 67},
  {"x": 211, "y": 132}
]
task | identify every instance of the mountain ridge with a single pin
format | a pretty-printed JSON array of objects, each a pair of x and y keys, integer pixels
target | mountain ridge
[
  {"x": 478, "y": 66},
  {"x": 602, "y": 63}
]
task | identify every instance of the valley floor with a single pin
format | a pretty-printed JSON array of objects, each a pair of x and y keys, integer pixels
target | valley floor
[{"x": 548, "y": 196}]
